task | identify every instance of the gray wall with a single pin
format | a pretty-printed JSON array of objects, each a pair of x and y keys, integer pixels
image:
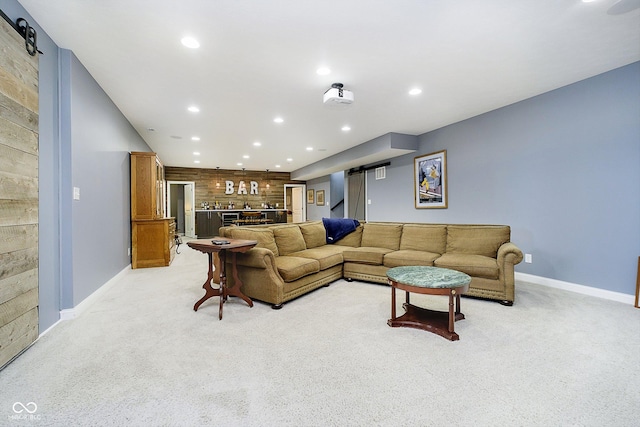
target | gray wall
[
  {"x": 84, "y": 142},
  {"x": 315, "y": 212},
  {"x": 101, "y": 139},
  {"x": 562, "y": 169}
]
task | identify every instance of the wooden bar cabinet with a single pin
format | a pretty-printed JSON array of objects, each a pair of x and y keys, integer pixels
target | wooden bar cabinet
[{"x": 152, "y": 233}]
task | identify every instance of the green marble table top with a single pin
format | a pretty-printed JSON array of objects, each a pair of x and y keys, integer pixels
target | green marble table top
[{"x": 428, "y": 277}]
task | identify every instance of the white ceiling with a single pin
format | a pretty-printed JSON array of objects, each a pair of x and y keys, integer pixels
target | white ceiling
[{"x": 258, "y": 60}]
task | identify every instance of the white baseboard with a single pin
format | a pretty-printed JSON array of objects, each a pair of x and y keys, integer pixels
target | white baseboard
[
  {"x": 72, "y": 313},
  {"x": 572, "y": 287},
  {"x": 49, "y": 328}
]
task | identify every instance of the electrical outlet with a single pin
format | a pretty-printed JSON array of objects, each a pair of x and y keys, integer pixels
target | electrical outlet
[
  {"x": 528, "y": 258},
  {"x": 128, "y": 251}
]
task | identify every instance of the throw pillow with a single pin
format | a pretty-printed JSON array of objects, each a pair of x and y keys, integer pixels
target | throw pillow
[
  {"x": 289, "y": 239},
  {"x": 314, "y": 234}
]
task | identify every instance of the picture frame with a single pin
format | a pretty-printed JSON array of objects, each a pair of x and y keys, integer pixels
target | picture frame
[
  {"x": 310, "y": 196},
  {"x": 430, "y": 180},
  {"x": 320, "y": 197}
]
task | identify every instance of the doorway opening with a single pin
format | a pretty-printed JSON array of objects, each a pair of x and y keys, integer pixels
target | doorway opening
[
  {"x": 294, "y": 202},
  {"x": 181, "y": 202}
]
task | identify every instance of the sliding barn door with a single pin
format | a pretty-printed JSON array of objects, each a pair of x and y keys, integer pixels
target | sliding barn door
[
  {"x": 18, "y": 194},
  {"x": 357, "y": 195}
]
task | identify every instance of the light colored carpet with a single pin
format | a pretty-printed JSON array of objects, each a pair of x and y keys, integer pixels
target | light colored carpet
[{"x": 141, "y": 356}]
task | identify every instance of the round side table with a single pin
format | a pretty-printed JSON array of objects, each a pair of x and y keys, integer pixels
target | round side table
[{"x": 430, "y": 281}]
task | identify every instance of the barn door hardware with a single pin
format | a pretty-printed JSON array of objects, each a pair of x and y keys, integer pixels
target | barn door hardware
[
  {"x": 30, "y": 36},
  {"x": 26, "y": 31}
]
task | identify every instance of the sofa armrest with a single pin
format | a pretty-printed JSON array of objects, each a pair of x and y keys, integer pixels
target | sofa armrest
[
  {"x": 259, "y": 274},
  {"x": 256, "y": 258},
  {"x": 509, "y": 253}
]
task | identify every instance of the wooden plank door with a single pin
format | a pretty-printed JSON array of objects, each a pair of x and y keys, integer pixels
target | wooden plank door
[{"x": 18, "y": 195}]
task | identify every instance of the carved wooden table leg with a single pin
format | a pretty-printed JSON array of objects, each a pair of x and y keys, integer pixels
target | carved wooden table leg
[
  {"x": 451, "y": 318},
  {"x": 209, "y": 291},
  {"x": 393, "y": 304},
  {"x": 223, "y": 282},
  {"x": 237, "y": 284}
]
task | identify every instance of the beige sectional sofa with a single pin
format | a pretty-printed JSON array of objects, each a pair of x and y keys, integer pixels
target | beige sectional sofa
[{"x": 293, "y": 259}]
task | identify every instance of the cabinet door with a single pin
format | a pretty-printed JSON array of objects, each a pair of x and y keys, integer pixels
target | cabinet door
[
  {"x": 152, "y": 243},
  {"x": 143, "y": 186},
  {"x": 202, "y": 225},
  {"x": 216, "y": 223}
]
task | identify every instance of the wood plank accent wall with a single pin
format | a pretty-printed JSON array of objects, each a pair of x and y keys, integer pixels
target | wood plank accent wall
[
  {"x": 206, "y": 190},
  {"x": 18, "y": 195}
]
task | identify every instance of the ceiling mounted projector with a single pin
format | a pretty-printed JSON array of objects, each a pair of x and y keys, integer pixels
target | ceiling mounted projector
[{"x": 337, "y": 95}]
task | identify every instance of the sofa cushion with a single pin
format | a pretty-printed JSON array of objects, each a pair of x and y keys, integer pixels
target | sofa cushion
[
  {"x": 289, "y": 239},
  {"x": 326, "y": 255},
  {"x": 476, "y": 240},
  {"x": 473, "y": 265},
  {"x": 314, "y": 234},
  {"x": 352, "y": 239},
  {"x": 264, "y": 237},
  {"x": 382, "y": 235},
  {"x": 365, "y": 255},
  {"x": 429, "y": 238},
  {"x": 409, "y": 257},
  {"x": 292, "y": 268}
]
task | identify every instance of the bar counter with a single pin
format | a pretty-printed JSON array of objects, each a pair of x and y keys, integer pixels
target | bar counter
[{"x": 209, "y": 221}]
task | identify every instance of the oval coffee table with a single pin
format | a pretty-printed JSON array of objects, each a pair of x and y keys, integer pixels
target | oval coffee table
[{"x": 431, "y": 281}]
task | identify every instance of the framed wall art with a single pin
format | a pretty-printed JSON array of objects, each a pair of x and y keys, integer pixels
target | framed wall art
[
  {"x": 320, "y": 197},
  {"x": 430, "y": 180},
  {"x": 310, "y": 197}
]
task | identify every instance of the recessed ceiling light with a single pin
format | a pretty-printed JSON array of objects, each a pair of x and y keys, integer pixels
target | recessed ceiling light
[
  {"x": 194, "y": 109},
  {"x": 195, "y": 138},
  {"x": 257, "y": 144},
  {"x": 415, "y": 91},
  {"x": 196, "y": 161},
  {"x": 239, "y": 163},
  {"x": 190, "y": 42},
  {"x": 346, "y": 128},
  {"x": 277, "y": 166},
  {"x": 196, "y": 153},
  {"x": 309, "y": 148},
  {"x": 245, "y": 156},
  {"x": 323, "y": 71},
  {"x": 278, "y": 120},
  {"x": 289, "y": 160}
]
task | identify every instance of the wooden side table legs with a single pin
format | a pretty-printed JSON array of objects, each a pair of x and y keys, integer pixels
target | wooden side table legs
[
  {"x": 209, "y": 291},
  {"x": 237, "y": 284},
  {"x": 223, "y": 291},
  {"x": 438, "y": 322}
]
